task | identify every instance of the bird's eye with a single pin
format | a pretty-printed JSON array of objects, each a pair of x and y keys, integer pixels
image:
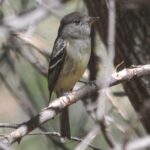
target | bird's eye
[{"x": 76, "y": 22}]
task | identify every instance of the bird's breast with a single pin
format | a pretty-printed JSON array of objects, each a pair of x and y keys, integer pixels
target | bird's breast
[{"x": 77, "y": 58}]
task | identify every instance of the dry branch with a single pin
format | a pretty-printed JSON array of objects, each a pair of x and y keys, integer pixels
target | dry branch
[
  {"x": 72, "y": 138},
  {"x": 57, "y": 105},
  {"x": 9, "y": 125}
]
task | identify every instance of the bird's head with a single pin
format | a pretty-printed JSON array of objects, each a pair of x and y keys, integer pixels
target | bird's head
[{"x": 76, "y": 25}]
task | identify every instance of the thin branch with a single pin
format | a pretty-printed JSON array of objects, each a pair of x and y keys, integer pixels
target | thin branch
[
  {"x": 137, "y": 144},
  {"x": 9, "y": 125},
  {"x": 90, "y": 136},
  {"x": 105, "y": 133},
  {"x": 111, "y": 29},
  {"x": 17, "y": 23},
  {"x": 4, "y": 147},
  {"x": 59, "y": 104},
  {"x": 57, "y": 134},
  {"x": 34, "y": 42},
  {"x": 128, "y": 74},
  {"x": 52, "y": 7},
  {"x": 100, "y": 113},
  {"x": 30, "y": 54},
  {"x": 32, "y": 17}
]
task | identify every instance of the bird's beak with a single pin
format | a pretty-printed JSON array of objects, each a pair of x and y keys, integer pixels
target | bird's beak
[{"x": 93, "y": 19}]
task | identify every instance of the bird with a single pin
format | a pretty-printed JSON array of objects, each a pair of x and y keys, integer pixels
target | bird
[{"x": 69, "y": 59}]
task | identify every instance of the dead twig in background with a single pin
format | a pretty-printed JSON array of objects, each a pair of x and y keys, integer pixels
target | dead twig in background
[
  {"x": 137, "y": 144},
  {"x": 90, "y": 136},
  {"x": 57, "y": 134},
  {"x": 100, "y": 113},
  {"x": 57, "y": 105},
  {"x": 9, "y": 125},
  {"x": 107, "y": 137}
]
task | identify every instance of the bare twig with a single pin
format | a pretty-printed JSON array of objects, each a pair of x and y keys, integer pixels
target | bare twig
[
  {"x": 106, "y": 134},
  {"x": 17, "y": 23},
  {"x": 4, "y": 147},
  {"x": 32, "y": 17},
  {"x": 57, "y": 134},
  {"x": 30, "y": 53},
  {"x": 111, "y": 29},
  {"x": 9, "y": 125},
  {"x": 38, "y": 44},
  {"x": 137, "y": 144},
  {"x": 127, "y": 74},
  {"x": 111, "y": 54},
  {"x": 57, "y": 105},
  {"x": 52, "y": 6},
  {"x": 85, "y": 142}
]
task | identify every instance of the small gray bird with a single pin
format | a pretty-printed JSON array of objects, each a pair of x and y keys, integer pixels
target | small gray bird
[{"x": 69, "y": 59}]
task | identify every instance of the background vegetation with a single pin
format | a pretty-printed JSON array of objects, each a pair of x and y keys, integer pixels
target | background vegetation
[{"x": 27, "y": 33}]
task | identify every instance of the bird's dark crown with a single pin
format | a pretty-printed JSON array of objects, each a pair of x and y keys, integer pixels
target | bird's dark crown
[{"x": 72, "y": 17}]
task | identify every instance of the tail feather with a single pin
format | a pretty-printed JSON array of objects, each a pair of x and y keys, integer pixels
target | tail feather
[
  {"x": 64, "y": 124},
  {"x": 50, "y": 95}
]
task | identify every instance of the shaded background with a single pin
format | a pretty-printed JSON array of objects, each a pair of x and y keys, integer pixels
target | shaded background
[{"x": 23, "y": 67}]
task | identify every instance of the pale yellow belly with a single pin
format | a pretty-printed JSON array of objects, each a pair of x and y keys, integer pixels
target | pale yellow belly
[
  {"x": 67, "y": 81},
  {"x": 74, "y": 67}
]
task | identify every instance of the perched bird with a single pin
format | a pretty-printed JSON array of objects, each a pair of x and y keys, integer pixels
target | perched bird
[{"x": 69, "y": 59}]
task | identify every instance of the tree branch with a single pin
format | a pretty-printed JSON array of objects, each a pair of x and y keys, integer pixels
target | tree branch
[
  {"x": 105, "y": 133},
  {"x": 57, "y": 134},
  {"x": 57, "y": 105},
  {"x": 9, "y": 125}
]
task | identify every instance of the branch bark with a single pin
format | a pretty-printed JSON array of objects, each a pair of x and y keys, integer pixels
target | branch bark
[
  {"x": 57, "y": 105},
  {"x": 132, "y": 44}
]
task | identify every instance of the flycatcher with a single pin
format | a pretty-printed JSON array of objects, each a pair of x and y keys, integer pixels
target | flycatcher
[{"x": 69, "y": 59}]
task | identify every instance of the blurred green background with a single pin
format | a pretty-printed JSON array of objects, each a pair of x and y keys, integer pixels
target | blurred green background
[{"x": 23, "y": 90}]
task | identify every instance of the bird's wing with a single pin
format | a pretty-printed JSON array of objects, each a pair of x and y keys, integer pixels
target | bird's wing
[{"x": 56, "y": 63}]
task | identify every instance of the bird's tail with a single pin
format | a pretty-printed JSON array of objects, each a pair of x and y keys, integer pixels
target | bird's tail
[
  {"x": 50, "y": 95},
  {"x": 64, "y": 124}
]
